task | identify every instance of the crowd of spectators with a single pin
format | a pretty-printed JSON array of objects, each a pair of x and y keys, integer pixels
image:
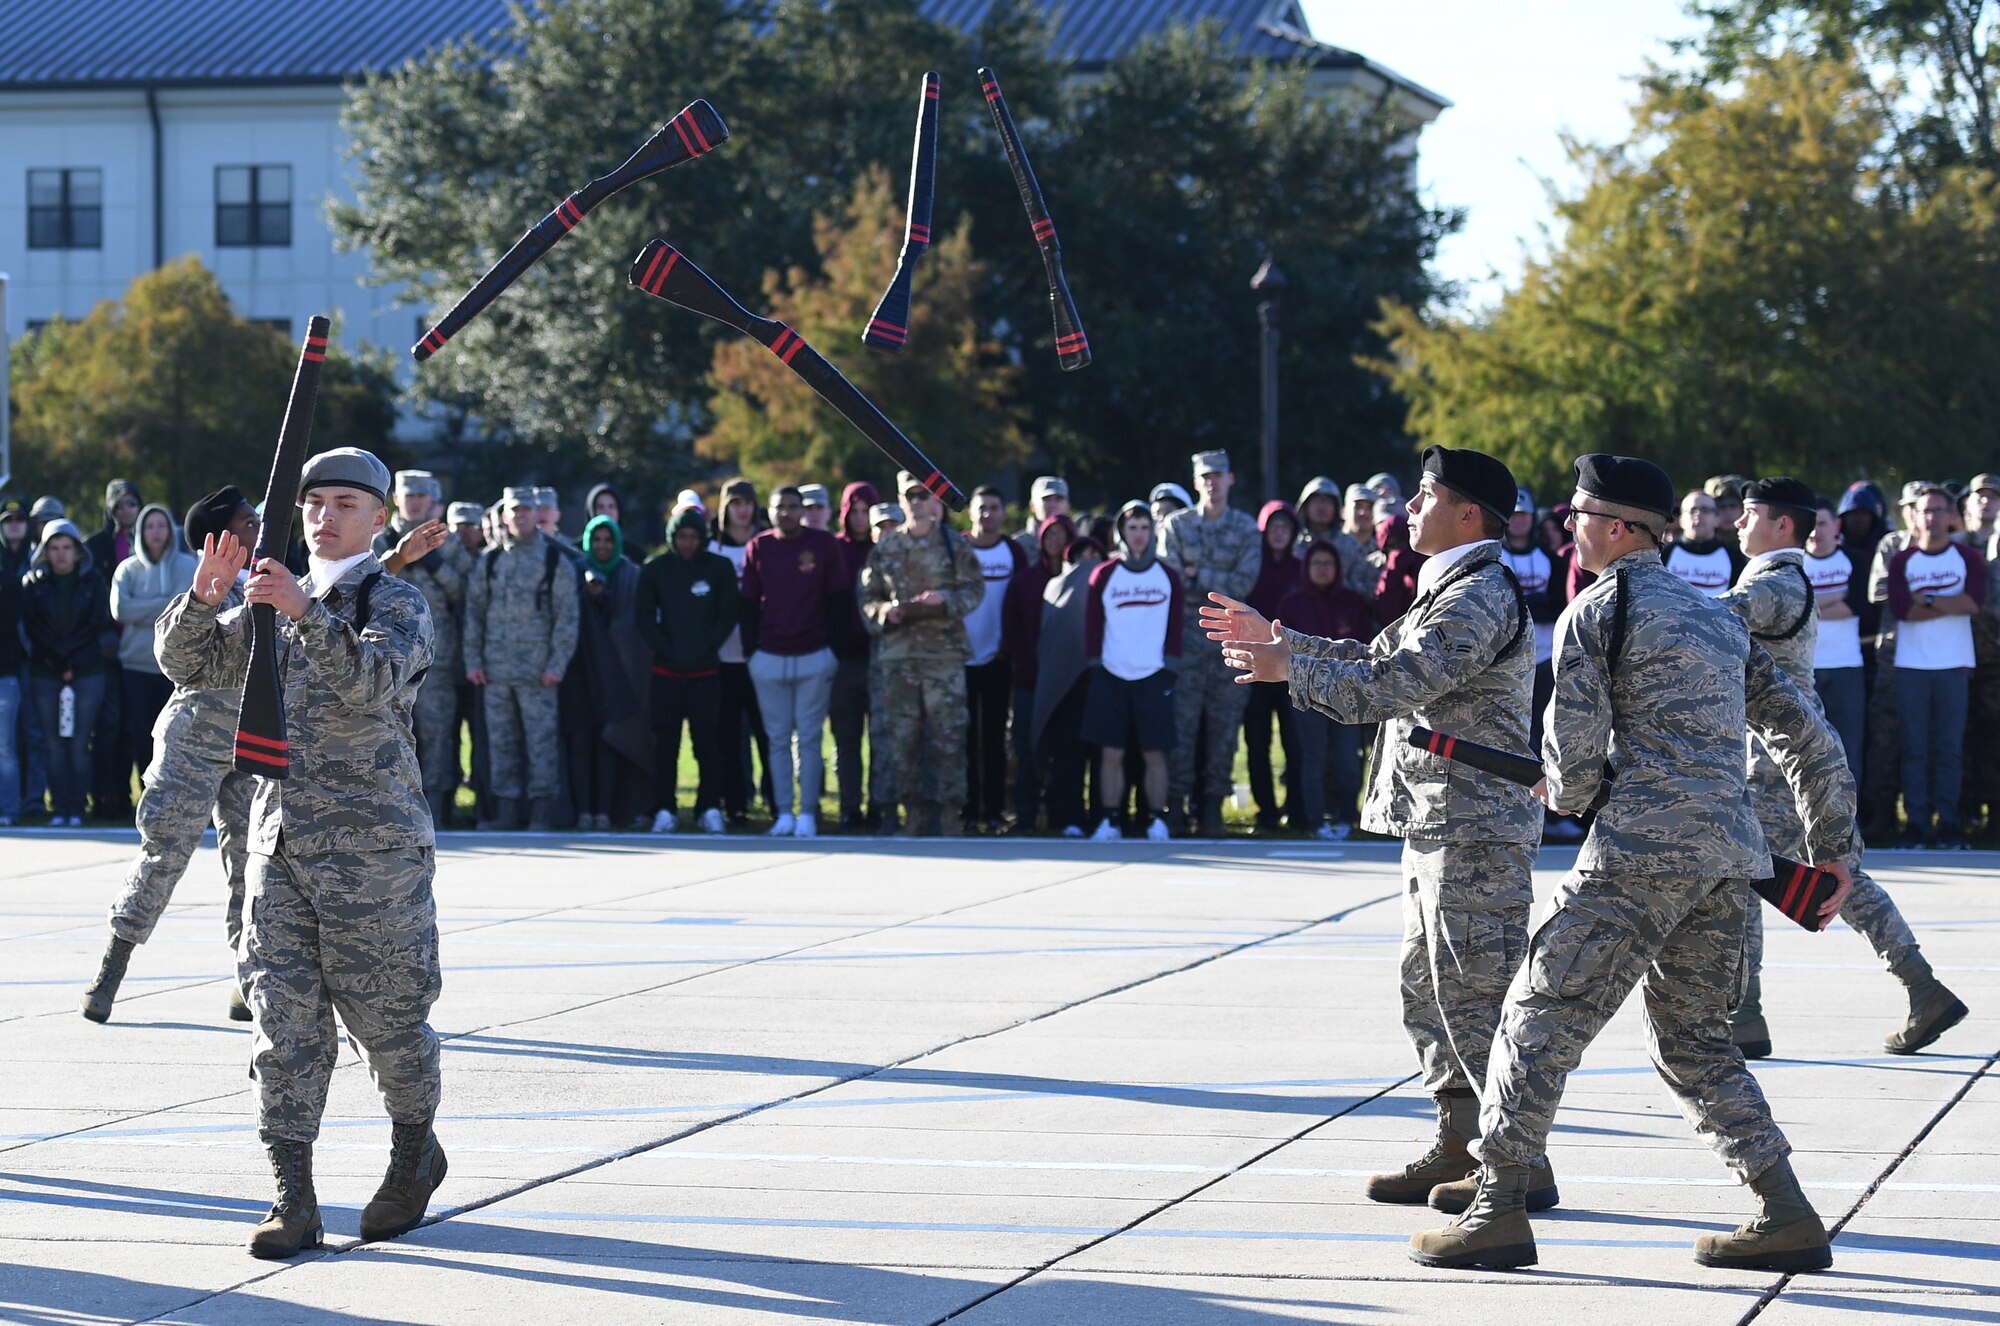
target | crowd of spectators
[{"x": 1046, "y": 680}]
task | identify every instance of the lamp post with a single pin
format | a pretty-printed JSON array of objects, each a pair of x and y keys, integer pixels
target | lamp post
[{"x": 1269, "y": 284}]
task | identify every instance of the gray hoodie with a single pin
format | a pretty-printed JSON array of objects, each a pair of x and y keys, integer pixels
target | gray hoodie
[{"x": 141, "y": 588}]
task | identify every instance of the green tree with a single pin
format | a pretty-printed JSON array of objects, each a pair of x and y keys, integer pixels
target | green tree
[
  {"x": 952, "y": 388},
  {"x": 169, "y": 387},
  {"x": 1183, "y": 170},
  {"x": 574, "y": 372},
  {"x": 1741, "y": 286}
]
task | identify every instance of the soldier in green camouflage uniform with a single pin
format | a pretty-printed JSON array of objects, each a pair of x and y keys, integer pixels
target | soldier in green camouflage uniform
[
  {"x": 520, "y": 634},
  {"x": 418, "y": 547},
  {"x": 191, "y": 782},
  {"x": 1663, "y": 683},
  {"x": 1774, "y": 599},
  {"x": 1215, "y": 549},
  {"x": 916, "y": 589},
  {"x": 339, "y": 916},
  {"x": 1460, "y": 661}
]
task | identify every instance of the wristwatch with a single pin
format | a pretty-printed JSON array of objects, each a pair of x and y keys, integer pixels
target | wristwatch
[{"x": 1930, "y": 600}]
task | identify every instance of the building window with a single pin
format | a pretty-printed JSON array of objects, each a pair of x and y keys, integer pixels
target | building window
[
  {"x": 253, "y": 207},
  {"x": 65, "y": 209}
]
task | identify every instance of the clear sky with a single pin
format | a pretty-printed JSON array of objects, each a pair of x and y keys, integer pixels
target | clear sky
[{"x": 1519, "y": 73}]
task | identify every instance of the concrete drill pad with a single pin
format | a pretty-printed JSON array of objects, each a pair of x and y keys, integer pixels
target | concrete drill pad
[{"x": 1144, "y": 1081}]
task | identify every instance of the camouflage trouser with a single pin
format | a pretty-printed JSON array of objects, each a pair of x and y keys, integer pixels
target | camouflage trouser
[
  {"x": 1207, "y": 701},
  {"x": 1882, "y": 770},
  {"x": 521, "y": 730},
  {"x": 1681, "y": 941},
  {"x": 1982, "y": 720},
  {"x": 437, "y": 735},
  {"x": 922, "y": 721},
  {"x": 1465, "y": 928},
  {"x": 347, "y": 932},
  {"x": 184, "y": 791},
  {"x": 1868, "y": 908}
]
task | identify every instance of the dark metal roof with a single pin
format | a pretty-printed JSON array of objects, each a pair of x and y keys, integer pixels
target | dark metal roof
[{"x": 192, "y": 43}]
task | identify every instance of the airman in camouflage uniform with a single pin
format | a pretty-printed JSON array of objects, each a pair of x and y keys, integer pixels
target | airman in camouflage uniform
[
  {"x": 418, "y": 547},
  {"x": 916, "y": 589},
  {"x": 339, "y": 913},
  {"x": 191, "y": 781},
  {"x": 1662, "y": 682},
  {"x": 520, "y": 634},
  {"x": 1215, "y": 549},
  {"x": 1461, "y": 661},
  {"x": 1774, "y": 599}
]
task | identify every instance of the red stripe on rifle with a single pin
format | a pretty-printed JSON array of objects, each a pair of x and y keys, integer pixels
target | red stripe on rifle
[
  {"x": 992, "y": 91},
  {"x": 937, "y": 484},
  {"x": 1071, "y": 344},
  {"x": 660, "y": 281},
  {"x": 1792, "y": 891},
  {"x": 694, "y": 127},
  {"x": 931, "y": 88},
  {"x": 889, "y": 329},
  {"x": 1450, "y": 745},
  {"x": 787, "y": 344},
  {"x": 314, "y": 356},
  {"x": 686, "y": 141},
  {"x": 646, "y": 281},
  {"x": 568, "y": 213},
  {"x": 275, "y": 761},
  {"x": 434, "y": 339},
  {"x": 920, "y": 232},
  {"x": 268, "y": 743}
]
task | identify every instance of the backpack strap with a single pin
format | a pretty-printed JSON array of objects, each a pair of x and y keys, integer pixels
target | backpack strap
[
  {"x": 1462, "y": 571},
  {"x": 1620, "y": 597},
  {"x": 1805, "y": 614},
  {"x": 545, "y": 592},
  {"x": 362, "y": 593}
]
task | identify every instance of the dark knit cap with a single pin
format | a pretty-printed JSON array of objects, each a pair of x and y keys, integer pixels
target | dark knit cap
[
  {"x": 212, "y": 514},
  {"x": 1781, "y": 491},
  {"x": 1626, "y": 480},
  {"x": 1475, "y": 476}
]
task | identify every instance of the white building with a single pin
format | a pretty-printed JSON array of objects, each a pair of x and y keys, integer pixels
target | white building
[{"x": 132, "y": 133}]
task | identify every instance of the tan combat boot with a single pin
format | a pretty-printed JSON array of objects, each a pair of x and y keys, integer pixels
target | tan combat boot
[
  {"x": 1934, "y": 1010},
  {"x": 1786, "y": 1235},
  {"x": 1493, "y": 1232},
  {"x": 293, "y": 1223},
  {"x": 1451, "y": 1198},
  {"x": 1446, "y": 1161},
  {"x": 110, "y": 974},
  {"x": 416, "y": 1170}
]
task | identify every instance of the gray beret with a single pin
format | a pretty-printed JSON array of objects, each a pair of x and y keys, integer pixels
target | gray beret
[{"x": 346, "y": 467}]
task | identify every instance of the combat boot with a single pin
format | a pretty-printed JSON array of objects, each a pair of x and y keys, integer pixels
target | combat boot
[
  {"x": 1786, "y": 1235},
  {"x": 1451, "y": 1198},
  {"x": 239, "y": 1011},
  {"x": 293, "y": 1223},
  {"x": 913, "y": 820},
  {"x": 1211, "y": 821},
  {"x": 541, "y": 815},
  {"x": 1493, "y": 1232},
  {"x": 951, "y": 822},
  {"x": 110, "y": 972},
  {"x": 1934, "y": 1010},
  {"x": 416, "y": 1170},
  {"x": 1448, "y": 1159}
]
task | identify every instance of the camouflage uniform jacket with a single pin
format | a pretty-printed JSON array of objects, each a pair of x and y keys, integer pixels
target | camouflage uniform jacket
[
  {"x": 354, "y": 784},
  {"x": 902, "y": 566},
  {"x": 1878, "y": 579},
  {"x": 202, "y": 722},
  {"x": 514, "y": 630},
  {"x": 1669, "y": 714},
  {"x": 1461, "y": 660},
  {"x": 1776, "y": 604},
  {"x": 1226, "y": 553},
  {"x": 442, "y": 576}
]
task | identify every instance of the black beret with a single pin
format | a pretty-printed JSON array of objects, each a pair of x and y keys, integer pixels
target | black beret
[
  {"x": 1626, "y": 480},
  {"x": 1786, "y": 492},
  {"x": 212, "y": 514},
  {"x": 1474, "y": 474}
]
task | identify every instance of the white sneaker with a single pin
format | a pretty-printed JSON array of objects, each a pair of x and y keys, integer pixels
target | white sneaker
[
  {"x": 1157, "y": 831},
  {"x": 711, "y": 821},
  {"x": 785, "y": 827},
  {"x": 664, "y": 822},
  {"x": 1106, "y": 832},
  {"x": 1072, "y": 831},
  {"x": 806, "y": 827}
]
